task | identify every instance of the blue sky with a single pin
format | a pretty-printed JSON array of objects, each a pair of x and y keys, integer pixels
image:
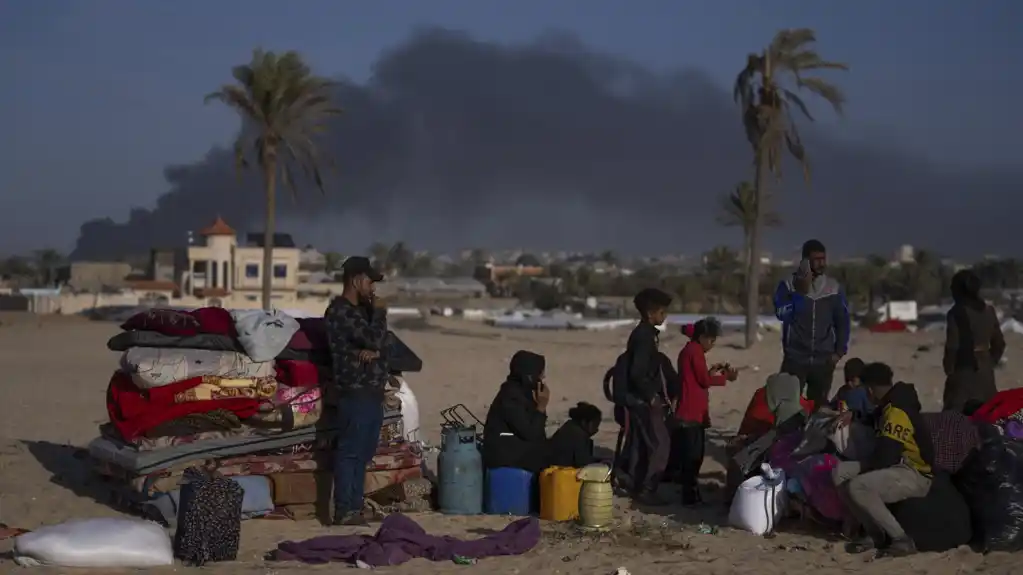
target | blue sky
[{"x": 102, "y": 95}]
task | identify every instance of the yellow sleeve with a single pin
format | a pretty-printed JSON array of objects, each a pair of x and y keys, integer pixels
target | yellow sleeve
[{"x": 895, "y": 424}]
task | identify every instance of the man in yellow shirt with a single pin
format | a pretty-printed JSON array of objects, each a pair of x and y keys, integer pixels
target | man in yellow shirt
[{"x": 899, "y": 467}]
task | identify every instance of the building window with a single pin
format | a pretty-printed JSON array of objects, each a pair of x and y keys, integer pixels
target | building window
[
  {"x": 227, "y": 281},
  {"x": 280, "y": 271},
  {"x": 252, "y": 271}
]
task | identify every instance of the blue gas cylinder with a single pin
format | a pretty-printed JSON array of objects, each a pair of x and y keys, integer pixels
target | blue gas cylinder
[
  {"x": 510, "y": 491},
  {"x": 460, "y": 472}
]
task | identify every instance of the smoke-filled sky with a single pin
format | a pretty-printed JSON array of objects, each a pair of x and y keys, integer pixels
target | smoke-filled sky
[{"x": 575, "y": 124}]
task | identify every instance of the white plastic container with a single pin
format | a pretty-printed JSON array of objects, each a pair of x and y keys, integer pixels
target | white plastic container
[
  {"x": 409, "y": 411},
  {"x": 760, "y": 502}
]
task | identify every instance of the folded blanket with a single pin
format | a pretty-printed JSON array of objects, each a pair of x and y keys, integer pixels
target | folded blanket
[
  {"x": 296, "y": 373},
  {"x": 133, "y": 412},
  {"x": 212, "y": 320},
  {"x": 215, "y": 387},
  {"x": 153, "y": 367}
]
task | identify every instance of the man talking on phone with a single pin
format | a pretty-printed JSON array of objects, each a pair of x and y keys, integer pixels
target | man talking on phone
[
  {"x": 815, "y": 323},
  {"x": 356, "y": 332}
]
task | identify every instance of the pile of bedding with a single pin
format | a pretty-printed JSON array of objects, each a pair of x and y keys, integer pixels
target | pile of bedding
[{"x": 241, "y": 392}]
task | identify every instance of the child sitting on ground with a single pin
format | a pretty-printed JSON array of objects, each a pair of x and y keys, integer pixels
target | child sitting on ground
[
  {"x": 693, "y": 412},
  {"x": 852, "y": 396},
  {"x": 572, "y": 444}
]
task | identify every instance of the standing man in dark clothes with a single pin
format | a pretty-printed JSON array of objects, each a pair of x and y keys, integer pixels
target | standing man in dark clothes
[
  {"x": 515, "y": 434},
  {"x": 815, "y": 323},
  {"x": 356, "y": 331},
  {"x": 650, "y": 443}
]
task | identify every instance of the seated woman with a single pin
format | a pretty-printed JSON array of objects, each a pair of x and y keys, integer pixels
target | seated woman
[
  {"x": 572, "y": 445},
  {"x": 779, "y": 404},
  {"x": 514, "y": 434}
]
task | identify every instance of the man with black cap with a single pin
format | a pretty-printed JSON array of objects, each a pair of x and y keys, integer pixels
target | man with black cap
[
  {"x": 815, "y": 323},
  {"x": 356, "y": 331}
]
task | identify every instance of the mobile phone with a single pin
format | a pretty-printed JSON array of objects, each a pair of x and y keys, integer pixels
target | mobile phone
[{"x": 804, "y": 267}]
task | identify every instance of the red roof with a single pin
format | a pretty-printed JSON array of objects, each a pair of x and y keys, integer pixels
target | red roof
[{"x": 218, "y": 228}]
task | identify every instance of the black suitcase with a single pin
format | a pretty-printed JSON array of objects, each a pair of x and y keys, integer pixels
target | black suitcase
[{"x": 209, "y": 518}]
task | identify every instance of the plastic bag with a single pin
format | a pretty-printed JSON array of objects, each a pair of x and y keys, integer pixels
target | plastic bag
[
  {"x": 759, "y": 503},
  {"x": 409, "y": 410},
  {"x": 992, "y": 484},
  {"x": 101, "y": 542}
]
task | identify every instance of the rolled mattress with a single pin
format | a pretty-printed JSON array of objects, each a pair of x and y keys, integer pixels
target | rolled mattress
[{"x": 142, "y": 462}]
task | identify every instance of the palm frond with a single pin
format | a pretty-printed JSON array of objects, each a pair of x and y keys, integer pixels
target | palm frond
[
  {"x": 282, "y": 105},
  {"x": 791, "y": 40},
  {"x": 829, "y": 92},
  {"x": 793, "y": 99}
]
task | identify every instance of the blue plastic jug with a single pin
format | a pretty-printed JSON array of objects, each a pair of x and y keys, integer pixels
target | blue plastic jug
[
  {"x": 460, "y": 472},
  {"x": 510, "y": 491}
]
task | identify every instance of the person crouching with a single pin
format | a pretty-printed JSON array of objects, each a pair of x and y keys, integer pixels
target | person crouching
[
  {"x": 572, "y": 444},
  {"x": 899, "y": 468}
]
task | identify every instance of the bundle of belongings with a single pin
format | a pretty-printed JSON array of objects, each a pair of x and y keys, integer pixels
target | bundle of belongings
[
  {"x": 245, "y": 395},
  {"x": 808, "y": 446}
]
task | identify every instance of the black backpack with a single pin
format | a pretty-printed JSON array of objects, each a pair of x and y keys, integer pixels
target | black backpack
[{"x": 616, "y": 382}]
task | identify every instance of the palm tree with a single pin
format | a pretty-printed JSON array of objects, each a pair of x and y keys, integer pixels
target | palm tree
[
  {"x": 721, "y": 268},
  {"x": 283, "y": 105},
  {"x": 766, "y": 107},
  {"x": 46, "y": 264},
  {"x": 739, "y": 209},
  {"x": 332, "y": 262}
]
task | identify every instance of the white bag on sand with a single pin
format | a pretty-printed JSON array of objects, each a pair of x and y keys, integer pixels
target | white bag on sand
[
  {"x": 409, "y": 410},
  {"x": 102, "y": 542},
  {"x": 759, "y": 503}
]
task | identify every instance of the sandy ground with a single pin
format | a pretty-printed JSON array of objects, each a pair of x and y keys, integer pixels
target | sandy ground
[{"x": 55, "y": 372}]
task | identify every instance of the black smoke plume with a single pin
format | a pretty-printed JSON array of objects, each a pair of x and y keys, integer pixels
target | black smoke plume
[{"x": 456, "y": 143}]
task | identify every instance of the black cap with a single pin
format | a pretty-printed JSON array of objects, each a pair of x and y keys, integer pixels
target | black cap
[{"x": 359, "y": 265}]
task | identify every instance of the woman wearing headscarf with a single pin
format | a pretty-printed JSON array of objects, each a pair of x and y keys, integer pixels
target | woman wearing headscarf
[
  {"x": 777, "y": 408},
  {"x": 515, "y": 432},
  {"x": 974, "y": 345}
]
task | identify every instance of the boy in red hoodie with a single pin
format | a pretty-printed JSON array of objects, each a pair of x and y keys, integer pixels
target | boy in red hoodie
[{"x": 693, "y": 412}]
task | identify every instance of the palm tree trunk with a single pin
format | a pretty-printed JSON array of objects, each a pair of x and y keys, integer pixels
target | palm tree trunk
[
  {"x": 270, "y": 178},
  {"x": 753, "y": 258}
]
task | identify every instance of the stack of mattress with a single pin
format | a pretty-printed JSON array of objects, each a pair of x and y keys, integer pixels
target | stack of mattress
[{"x": 241, "y": 393}]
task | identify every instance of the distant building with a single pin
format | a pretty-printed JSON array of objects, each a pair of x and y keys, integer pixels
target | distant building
[{"x": 221, "y": 266}]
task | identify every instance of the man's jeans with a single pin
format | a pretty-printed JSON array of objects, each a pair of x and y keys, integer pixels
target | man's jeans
[
  {"x": 868, "y": 495},
  {"x": 359, "y": 420}
]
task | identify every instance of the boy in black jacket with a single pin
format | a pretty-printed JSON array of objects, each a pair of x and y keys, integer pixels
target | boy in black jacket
[
  {"x": 649, "y": 444},
  {"x": 899, "y": 468}
]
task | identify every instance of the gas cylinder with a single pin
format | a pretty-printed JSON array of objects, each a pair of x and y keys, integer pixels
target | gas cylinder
[{"x": 459, "y": 472}]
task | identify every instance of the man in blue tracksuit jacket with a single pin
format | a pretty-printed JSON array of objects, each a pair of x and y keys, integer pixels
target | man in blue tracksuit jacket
[{"x": 815, "y": 323}]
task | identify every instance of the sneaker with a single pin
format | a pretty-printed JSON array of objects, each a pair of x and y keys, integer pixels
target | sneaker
[
  {"x": 860, "y": 546},
  {"x": 902, "y": 547},
  {"x": 350, "y": 519}
]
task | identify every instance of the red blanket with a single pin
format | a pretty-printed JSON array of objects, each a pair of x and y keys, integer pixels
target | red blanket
[
  {"x": 214, "y": 320},
  {"x": 133, "y": 411},
  {"x": 1001, "y": 406},
  {"x": 299, "y": 373}
]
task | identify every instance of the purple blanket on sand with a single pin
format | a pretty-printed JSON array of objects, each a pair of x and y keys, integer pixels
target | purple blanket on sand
[{"x": 400, "y": 539}]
